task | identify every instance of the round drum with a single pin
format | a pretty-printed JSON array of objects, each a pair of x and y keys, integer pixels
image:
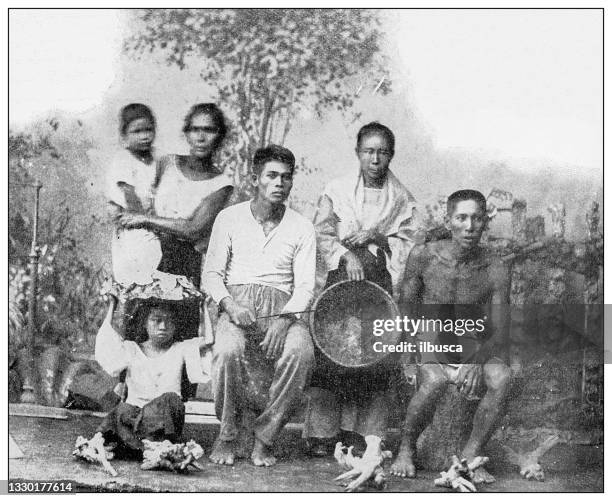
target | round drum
[{"x": 343, "y": 320}]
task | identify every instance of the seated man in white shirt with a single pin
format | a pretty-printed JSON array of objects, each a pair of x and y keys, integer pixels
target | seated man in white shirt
[{"x": 260, "y": 270}]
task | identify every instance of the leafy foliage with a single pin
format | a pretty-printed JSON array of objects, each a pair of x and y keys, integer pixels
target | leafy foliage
[
  {"x": 268, "y": 65},
  {"x": 69, "y": 304}
]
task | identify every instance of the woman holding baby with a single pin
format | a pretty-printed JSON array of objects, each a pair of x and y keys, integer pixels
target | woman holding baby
[{"x": 186, "y": 192}]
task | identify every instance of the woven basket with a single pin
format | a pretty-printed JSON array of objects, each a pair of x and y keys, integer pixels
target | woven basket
[{"x": 341, "y": 323}]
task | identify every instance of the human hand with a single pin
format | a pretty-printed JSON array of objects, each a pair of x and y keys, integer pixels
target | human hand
[
  {"x": 360, "y": 238},
  {"x": 239, "y": 315},
  {"x": 132, "y": 220},
  {"x": 469, "y": 379},
  {"x": 274, "y": 342},
  {"x": 354, "y": 268}
]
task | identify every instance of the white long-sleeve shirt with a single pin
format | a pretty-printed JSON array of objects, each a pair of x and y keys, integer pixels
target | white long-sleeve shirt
[
  {"x": 150, "y": 377},
  {"x": 239, "y": 253}
]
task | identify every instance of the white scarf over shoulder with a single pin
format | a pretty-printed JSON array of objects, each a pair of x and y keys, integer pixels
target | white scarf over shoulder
[{"x": 396, "y": 220}]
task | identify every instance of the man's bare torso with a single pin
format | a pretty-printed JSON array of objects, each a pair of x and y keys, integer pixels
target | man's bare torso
[{"x": 435, "y": 276}]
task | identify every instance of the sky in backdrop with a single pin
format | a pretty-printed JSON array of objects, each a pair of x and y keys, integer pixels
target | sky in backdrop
[
  {"x": 518, "y": 83},
  {"x": 470, "y": 88}
]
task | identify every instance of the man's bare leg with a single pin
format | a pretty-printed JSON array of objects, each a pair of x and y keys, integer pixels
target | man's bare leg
[
  {"x": 262, "y": 454},
  {"x": 418, "y": 415},
  {"x": 491, "y": 408}
]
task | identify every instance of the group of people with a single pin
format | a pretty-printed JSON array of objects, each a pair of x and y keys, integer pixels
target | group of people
[{"x": 259, "y": 264}]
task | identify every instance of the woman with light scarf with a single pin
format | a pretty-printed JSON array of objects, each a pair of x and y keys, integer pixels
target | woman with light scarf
[{"x": 365, "y": 225}]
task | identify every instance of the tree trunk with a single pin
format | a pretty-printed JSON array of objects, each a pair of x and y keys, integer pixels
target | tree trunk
[
  {"x": 287, "y": 125},
  {"x": 267, "y": 111}
]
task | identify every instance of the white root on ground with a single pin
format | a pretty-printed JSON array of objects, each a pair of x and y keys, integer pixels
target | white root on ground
[
  {"x": 94, "y": 451},
  {"x": 460, "y": 474},
  {"x": 362, "y": 470},
  {"x": 529, "y": 462},
  {"x": 168, "y": 456}
]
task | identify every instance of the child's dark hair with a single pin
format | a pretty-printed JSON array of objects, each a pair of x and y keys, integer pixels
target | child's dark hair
[
  {"x": 272, "y": 152},
  {"x": 134, "y": 111},
  {"x": 142, "y": 314},
  {"x": 185, "y": 315},
  {"x": 376, "y": 128},
  {"x": 214, "y": 112},
  {"x": 462, "y": 195}
]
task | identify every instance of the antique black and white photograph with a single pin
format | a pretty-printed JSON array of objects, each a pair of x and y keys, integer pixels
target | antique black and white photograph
[{"x": 305, "y": 250}]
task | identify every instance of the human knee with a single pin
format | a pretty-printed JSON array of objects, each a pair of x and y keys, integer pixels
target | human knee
[
  {"x": 228, "y": 345},
  {"x": 172, "y": 400},
  {"x": 433, "y": 378},
  {"x": 298, "y": 345},
  {"x": 227, "y": 354},
  {"x": 497, "y": 376}
]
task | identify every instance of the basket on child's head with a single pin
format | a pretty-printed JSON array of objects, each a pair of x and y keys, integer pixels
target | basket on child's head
[
  {"x": 163, "y": 290},
  {"x": 343, "y": 324}
]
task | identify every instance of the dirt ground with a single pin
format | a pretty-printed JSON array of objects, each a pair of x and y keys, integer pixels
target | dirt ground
[{"x": 47, "y": 445}]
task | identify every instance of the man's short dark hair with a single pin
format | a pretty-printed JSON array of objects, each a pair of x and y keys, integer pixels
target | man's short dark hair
[
  {"x": 270, "y": 153},
  {"x": 376, "y": 128},
  {"x": 461, "y": 195}
]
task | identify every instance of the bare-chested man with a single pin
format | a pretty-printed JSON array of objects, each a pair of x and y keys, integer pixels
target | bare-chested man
[{"x": 464, "y": 279}]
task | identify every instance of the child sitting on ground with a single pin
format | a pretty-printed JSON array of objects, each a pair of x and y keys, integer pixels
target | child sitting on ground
[
  {"x": 131, "y": 182},
  {"x": 154, "y": 362}
]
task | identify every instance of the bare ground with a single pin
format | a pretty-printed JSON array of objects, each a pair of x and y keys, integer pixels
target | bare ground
[{"x": 47, "y": 445}]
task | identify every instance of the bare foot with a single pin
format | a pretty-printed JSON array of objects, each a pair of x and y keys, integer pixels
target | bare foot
[
  {"x": 403, "y": 466},
  {"x": 223, "y": 452},
  {"x": 482, "y": 476},
  {"x": 262, "y": 455}
]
